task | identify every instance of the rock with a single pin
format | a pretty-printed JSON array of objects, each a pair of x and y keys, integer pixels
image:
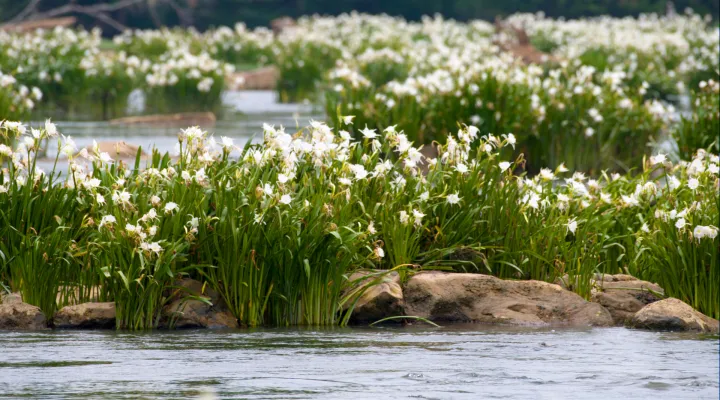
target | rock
[
  {"x": 185, "y": 312},
  {"x": 673, "y": 315},
  {"x": 278, "y": 25},
  {"x": 117, "y": 149},
  {"x": 615, "y": 278},
  {"x": 264, "y": 78},
  {"x": 11, "y": 298},
  {"x": 86, "y": 316},
  {"x": 181, "y": 120},
  {"x": 15, "y": 314},
  {"x": 624, "y": 295},
  {"x": 380, "y": 300},
  {"x": 454, "y": 297}
]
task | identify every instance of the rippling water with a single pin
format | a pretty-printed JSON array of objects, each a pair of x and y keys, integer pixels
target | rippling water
[{"x": 459, "y": 362}]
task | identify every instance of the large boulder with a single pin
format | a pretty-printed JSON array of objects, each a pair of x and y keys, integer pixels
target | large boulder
[
  {"x": 624, "y": 295},
  {"x": 382, "y": 297},
  {"x": 453, "y": 297},
  {"x": 16, "y": 315},
  {"x": 673, "y": 315},
  {"x": 86, "y": 316},
  {"x": 193, "y": 305}
]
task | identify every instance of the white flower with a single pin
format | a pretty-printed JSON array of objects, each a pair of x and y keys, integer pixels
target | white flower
[
  {"x": 645, "y": 228},
  {"x": 546, "y": 174},
  {"x": 418, "y": 216},
  {"x": 658, "y": 159},
  {"x": 155, "y": 247},
  {"x": 504, "y": 166},
  {"x": 155, "y": 201},
  {"x": 170, "y": 207},
  {"x": 510, "y": 139},
  {"x": 50, "y": 129},
  {"x": 453, "y": 198},
  {"x": 673, "y": 183},
  {"x": 713, "y": 169},
  {"x": 282, "y": 178},
  {"x": 227, "y": 142},
  {"x": 693, "y": 183},
  {"x": 424, "y": 196},
  {"x": 106, "y": 220},
  {"x": 99, "y": 198},
  {"x": 347, "y": 120},
  {"x": 589, "y": 132},
  {"x": 368, "y": 133},
  {"x": 680, "y": 223},
  {"x": 572, "y": 226},
  {"x": 461, "y": 168},
  {"x": 285, "y": 199},
  {"x": 150, "y": 215},
  {"x": 561, "y": 168},
  {"x": 379, "y": 252},
  {"x": 630, "y": 201},
  {"x": 701, "y": 231},
  {"x": 404, "y": 218}
]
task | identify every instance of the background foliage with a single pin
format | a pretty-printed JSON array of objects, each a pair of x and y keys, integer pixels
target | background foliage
[{"x": 208, "y": 13}]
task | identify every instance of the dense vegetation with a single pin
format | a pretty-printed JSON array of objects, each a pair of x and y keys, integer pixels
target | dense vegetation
[
  {"x": 443, "y": 150},
  {"x": 277, "y": 228}
]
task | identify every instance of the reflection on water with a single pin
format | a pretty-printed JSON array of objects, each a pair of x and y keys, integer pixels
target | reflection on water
[
  {"x": 462, "y": 362},
  {"x": 242, "y": 118}
]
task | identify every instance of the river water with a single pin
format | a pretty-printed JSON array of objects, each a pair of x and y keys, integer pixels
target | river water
[{"x": 457, "y": 362}]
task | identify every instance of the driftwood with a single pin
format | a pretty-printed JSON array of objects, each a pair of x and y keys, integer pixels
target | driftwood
[
  {"x": 48, "y": 23},
  {"x": 169, "y": 120},
  {"x": 264, "y": 78},
  {"x": 103, "y": 11},
  {"x": 522, "y": 48}
]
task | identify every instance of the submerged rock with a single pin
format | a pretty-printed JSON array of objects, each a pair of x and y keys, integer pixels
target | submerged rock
[
  {"x": 624, "y": 295},
  {"x": 380, "y": 300},
  {"x": 673, "y": 315},
  {"x": 86, "y": 316},
  {"x": 454, "y": 297},
  {"x": 14, "y": 314},
  {"x": 186, "y": 312}
]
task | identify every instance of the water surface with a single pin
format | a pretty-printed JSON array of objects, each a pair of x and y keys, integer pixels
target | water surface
[{"x": 460, "y": 362}]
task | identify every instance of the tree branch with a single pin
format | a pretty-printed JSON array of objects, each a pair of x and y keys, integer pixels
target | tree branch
[
  {"x": 29, "y": 9},
  {"x": 93, "y": 10}
]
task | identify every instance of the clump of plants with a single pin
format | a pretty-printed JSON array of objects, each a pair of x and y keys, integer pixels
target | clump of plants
[{"x": 277, "y": 228}]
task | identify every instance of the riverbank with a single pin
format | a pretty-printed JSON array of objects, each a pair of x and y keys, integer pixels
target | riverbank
[{"x": 426, "y": 298}]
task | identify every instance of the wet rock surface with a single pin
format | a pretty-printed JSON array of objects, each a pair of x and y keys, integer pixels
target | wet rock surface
[
  {"x": 455, "y": 297},
  {"x": 16, "y": 315},
  {"x": 86, "y": 316},
  {"x": 187, "y": 311},
  {"x": 624, "y": 295},
  {"x": 673, "y": 315},
  {"x": 382, "y": 298}
]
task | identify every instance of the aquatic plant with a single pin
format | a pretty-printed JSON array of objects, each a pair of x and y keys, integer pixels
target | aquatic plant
[
  {"x": 277, "y": 228},
  {"x": 699, "y": 130}
]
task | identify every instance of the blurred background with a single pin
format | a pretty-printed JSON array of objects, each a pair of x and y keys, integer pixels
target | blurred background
[{"x": 204, "y": 14}]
